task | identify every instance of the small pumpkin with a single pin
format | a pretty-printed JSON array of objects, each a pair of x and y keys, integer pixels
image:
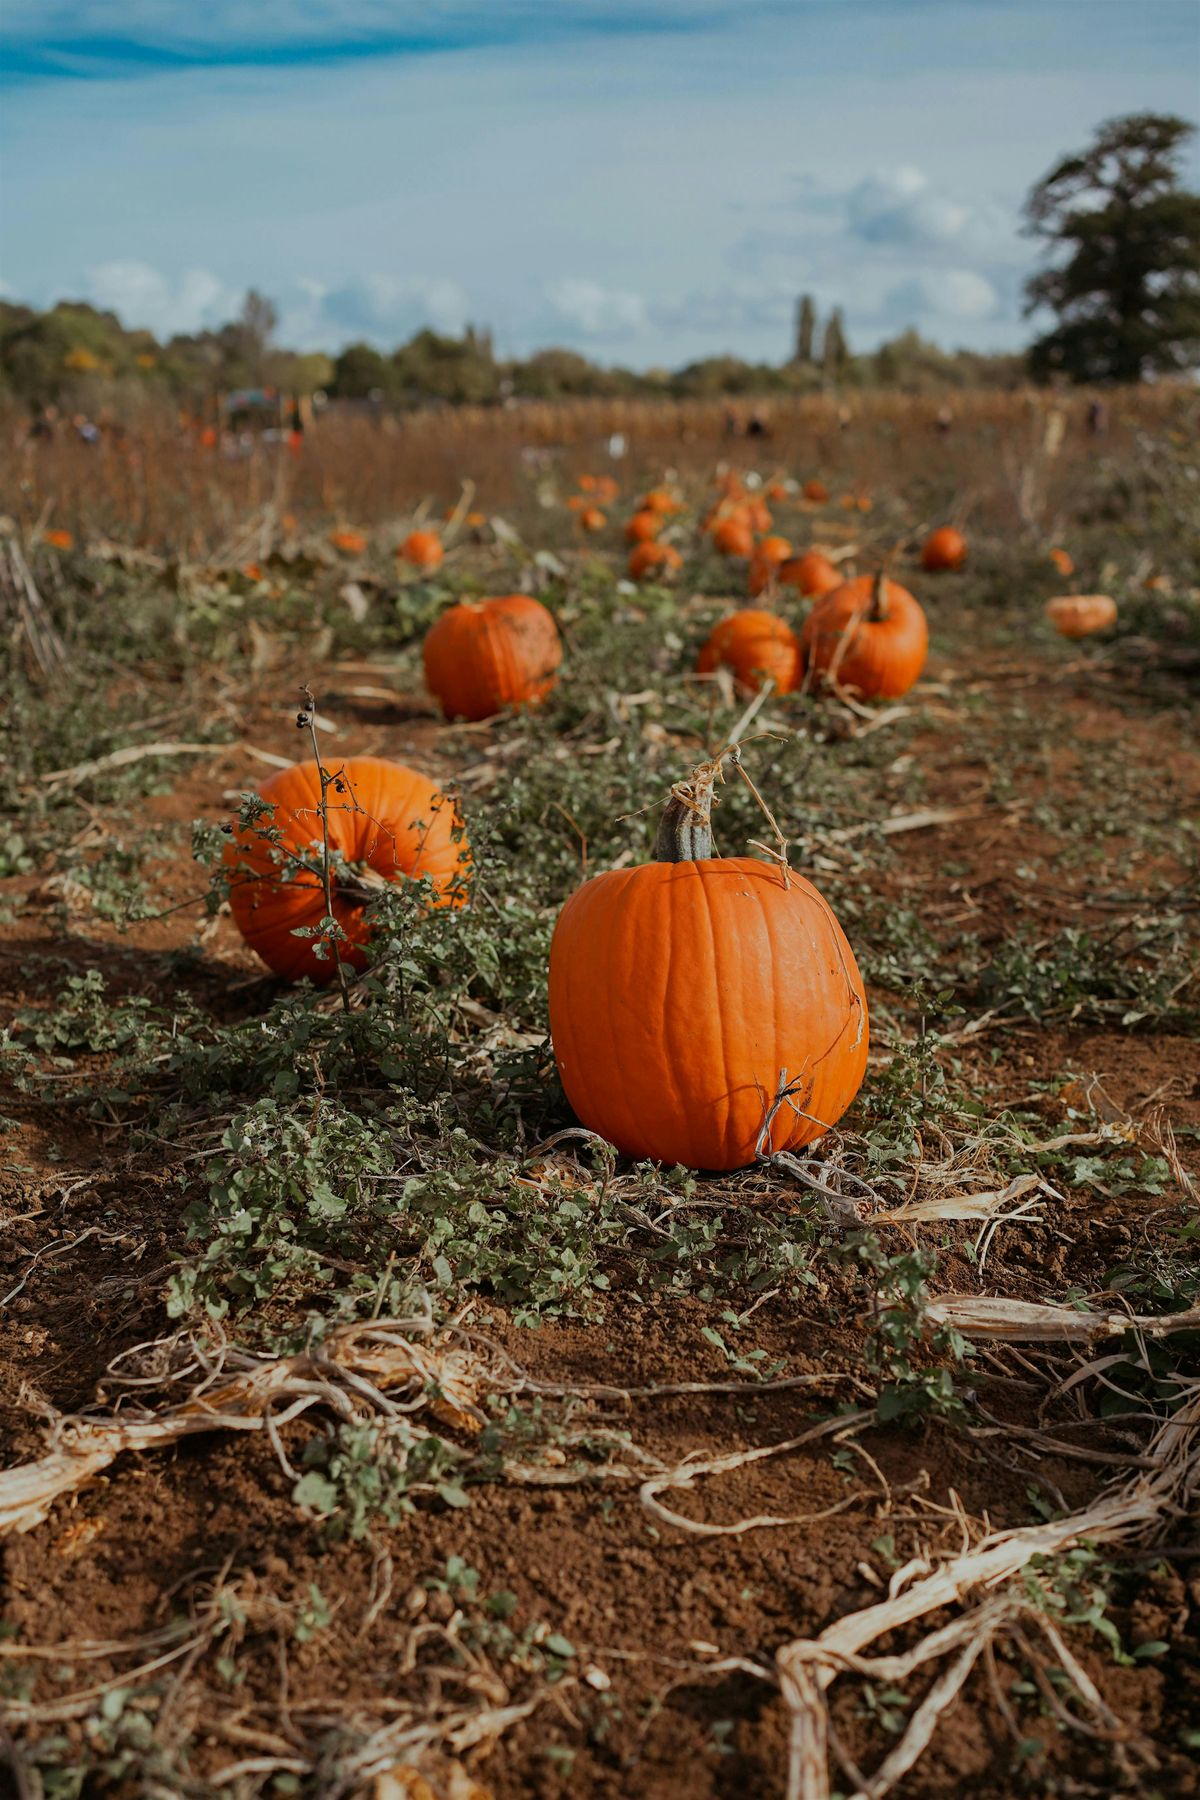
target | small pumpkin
[
  {"x": 1063, "y": 561},
  {"x": 661, "y": 500},
  {"x": 778, "y": 491},
  {"x": 385, "y": 822},
  {"x": 685, "y": 993},
  {"x": 755, "y": 645},
  {"x": 759, "y": 514},
  {"x": 1079, "y": 615},
  {"x": 484, "y": 655},
  {"x": 643, "y": 527},
  {"x": 58, "y": 539},
  {"x": 816, "y": 493},
  {"x": 944, "y": 548},
  {"x": 592, "y": 519},
  {"x": 869, "y": 635},
  {"x": 734, "y": 535},
  {"x": 813, "y": 574},
  {"x": 653, "y": 560},
  {"x": 348, "y": 542},
  {"x": 423, "y": 549}
]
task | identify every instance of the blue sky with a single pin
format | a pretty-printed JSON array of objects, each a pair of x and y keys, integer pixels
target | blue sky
[{"x": 649, "y": 181}]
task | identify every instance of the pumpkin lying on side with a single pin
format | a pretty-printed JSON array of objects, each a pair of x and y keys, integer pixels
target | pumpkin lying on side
[
  {"x": 643, "y": 527},
  {"x": 734, "y": 535},
  {"x": 385, "y": 822},
  {"x": 423, "y": 549},
  {"x": 484, "y": 655},
  {"x": 755, "y": 645},
  {"x": 653, "y": 561},
  {"x": 868, "y": 635},
  {"x": 812, "y": 574},
  {"x": 944, "y": 548},
  {"x": 1079, "y": 615},
  {"x": 685, "y": 993}
]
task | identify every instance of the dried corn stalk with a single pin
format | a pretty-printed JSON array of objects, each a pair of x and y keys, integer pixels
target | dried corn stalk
[{"x": 363, "y": 1363}]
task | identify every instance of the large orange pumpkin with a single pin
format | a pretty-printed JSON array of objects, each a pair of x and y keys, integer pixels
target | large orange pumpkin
[
  {"x": 1079, "y": 615},
  {"x": 734, "y": 536},
  {"x": 686, "y": 993},
  {"x": 868, "y": 635},
  {"x": 484, "y": 655},
  {"x": 944, "y": 548},
  {"x": 754, "y": 645},
  {"x": 812, "y": 573},
  {"x": 643, "y": 527},
  {"x": 385, "y": 822},
  {"x": 423, "y": 549},
  {"x": 652, "y": 559}
]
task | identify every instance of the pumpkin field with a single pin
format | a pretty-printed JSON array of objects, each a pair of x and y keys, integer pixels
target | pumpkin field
[{"x": 600, "y": 1132}]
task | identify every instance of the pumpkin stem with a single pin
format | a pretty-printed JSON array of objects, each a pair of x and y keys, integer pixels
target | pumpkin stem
[
  {"x": 879, "y": 607},
  {"x": 685, "y": 829}
]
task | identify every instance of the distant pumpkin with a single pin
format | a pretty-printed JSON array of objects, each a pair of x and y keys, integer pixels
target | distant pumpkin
[
  {"x": 1063, "y": 561},
  {"x": 58, "y": 539},
  {"x": 423, "y": 549},
  {"x": 734, "y": 535},
  {"x": 485, "y": 655},
  {"x": 348, "y": 542},
  {"x": 653, "y": 559},
  {"x": 755, "y": 646},
  {"x": 592, "y": 519},
  {"x": 816, "y": 493},
  {"x": 643, "y": 527},
  {"x": 385, "y": 820},
  {"x": 812, "y": 573},
  {"x": 661, "y": 500},
  {"x": 944, "y": 549},
  {"x": 1079, "y": 615},
  {"x": 766, "y": 561}
]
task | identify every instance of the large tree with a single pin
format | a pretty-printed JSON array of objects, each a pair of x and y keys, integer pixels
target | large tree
[{"x": 1128, "y": 294}]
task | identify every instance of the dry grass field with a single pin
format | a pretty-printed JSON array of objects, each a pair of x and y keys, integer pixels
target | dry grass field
[{"x": 369, "y": 1430}]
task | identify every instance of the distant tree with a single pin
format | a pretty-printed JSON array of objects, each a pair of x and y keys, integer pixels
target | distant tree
[
  {"x": 247, "y": 342},
  {"x": 806, "y": 330},
  {"x": 360, "y": 371},
  {"x": 1128, "y": 295},
  {"x": 835, "y": 351}
]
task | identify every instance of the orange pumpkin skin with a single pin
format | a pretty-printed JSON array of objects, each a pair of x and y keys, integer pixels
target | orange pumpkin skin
[
  {"x": 734, "y": 536},
  {"x": 812, "y": 573},
  {"x": 643, "y": 527},
  {"x": 1063, "y": 561},
  {"x": 759, "y": 514},
  {"x": 816, "y": 493},
  {"x": 484, "y": 655},
  {"x": 679, "y": 994},
  {"x": 350, "y": 543},
  {"x": 661, "y": 500},
  {"x": 1079, "y": 615},
  {"x": 944, "y": 548},
  {"x": 58, "y": 539},
  {"x": 423, "y": 549},
  {"x": 592, "y": 519},
  {"x": 754, "y": 645},
  {"x": 391, "y": 819},
  {"x": 650, "y": 559},
  {"x": 869, "y": 635}
]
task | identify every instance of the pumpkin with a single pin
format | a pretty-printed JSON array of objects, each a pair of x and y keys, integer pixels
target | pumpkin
[
  {"x": 754, "y": 645},
  {"x": 1079, "y": 615},
  {"x": 484, "y": 655},
  {"x": 816, "y": 493},
  {"x": 812, "y": 573},
  {"x": 661, "y": 500},
  {"x": 592, "y": 519},
  {"x": 1063, "y": 561},
  {"x": 576, "y": 502},
  {"x": 58, "y": 539},
  {"x": 423, "y": 549},
  {"x": 869, "y": 635},
  {"x": 606, "y": 489},
  {"x": 734, "y": 535},
  {"x": 475, "y": 520},
  {"x": 759, "y": 514},
  {"x": 685, "y": 993},
  {"x": 643, "y": 527},
  {"x": 350, "y": 543},
  {"x": 646, "y": 560},
  {"x": 778, "y": 490},
  {"x": 386, "y": 821},
  {"x": 944, "y": 548},
  {"x": 731, "y": 486}
]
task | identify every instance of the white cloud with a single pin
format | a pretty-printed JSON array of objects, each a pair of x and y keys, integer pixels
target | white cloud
[
  {"x": 901, "y": 206},
  {"x": 142, "y": 296},
  {"x": 378, "y": 307},
  {"x": 945, "y": 293},
  {"x": 593, "y": 311}
]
